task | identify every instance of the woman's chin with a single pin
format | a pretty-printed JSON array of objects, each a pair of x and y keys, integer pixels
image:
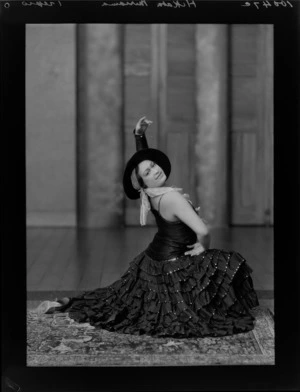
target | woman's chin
[{"x": 162, "y": 181}]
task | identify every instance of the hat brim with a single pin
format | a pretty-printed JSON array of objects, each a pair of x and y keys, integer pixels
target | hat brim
[{"x": 150, "y": 154}]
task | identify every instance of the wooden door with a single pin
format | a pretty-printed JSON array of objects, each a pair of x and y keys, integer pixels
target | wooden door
[
  {"x": 251, "y": 137},
  {"x": 159, "y": 82}
]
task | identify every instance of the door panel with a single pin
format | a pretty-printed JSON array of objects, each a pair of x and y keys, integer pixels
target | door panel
[
  {"x": 244, "y": 185},
  {"x": 251, "y": 124}
]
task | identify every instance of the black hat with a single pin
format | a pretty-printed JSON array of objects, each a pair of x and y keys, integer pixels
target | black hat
[{"x": 143, "y": 153}]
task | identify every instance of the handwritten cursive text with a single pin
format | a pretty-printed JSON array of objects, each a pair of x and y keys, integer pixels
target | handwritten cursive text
[
  {"x": 41, "y": 3},
  {"x": 140, "y": 3},
  {"x": 267, "y": 4},
  {"x": 177, "y": 4}
]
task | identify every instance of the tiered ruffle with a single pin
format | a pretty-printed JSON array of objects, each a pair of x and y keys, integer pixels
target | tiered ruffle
[{"x": 192, "y": 296}]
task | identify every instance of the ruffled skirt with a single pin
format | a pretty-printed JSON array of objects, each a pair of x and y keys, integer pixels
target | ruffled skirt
[{"x": 192, "y": 296}]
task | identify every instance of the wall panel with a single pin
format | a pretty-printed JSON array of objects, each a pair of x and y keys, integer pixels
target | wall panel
[{"x": 50, "y": 125}]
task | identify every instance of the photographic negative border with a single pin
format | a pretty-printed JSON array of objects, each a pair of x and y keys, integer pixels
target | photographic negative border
[{"x": 15, "y": 374}]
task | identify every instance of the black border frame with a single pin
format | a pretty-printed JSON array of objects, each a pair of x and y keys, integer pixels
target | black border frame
[{"x": 284, "y": 375}]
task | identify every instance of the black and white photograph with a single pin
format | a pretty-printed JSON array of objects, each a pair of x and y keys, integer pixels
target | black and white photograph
[
  {"x": 124, "y": 122},
  {"x": 149, "y": 177}
]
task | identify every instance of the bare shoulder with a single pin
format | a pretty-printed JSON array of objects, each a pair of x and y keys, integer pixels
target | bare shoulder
[
  {"x": 170, "y": 203},
  {"x": 174, "y": 198}
]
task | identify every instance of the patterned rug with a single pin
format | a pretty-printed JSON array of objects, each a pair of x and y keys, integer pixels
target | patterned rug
[{"x": 57, "y": 340}]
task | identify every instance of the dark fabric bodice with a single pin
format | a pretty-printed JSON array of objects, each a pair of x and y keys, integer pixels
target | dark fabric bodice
[{"x": 171, "y": 239}]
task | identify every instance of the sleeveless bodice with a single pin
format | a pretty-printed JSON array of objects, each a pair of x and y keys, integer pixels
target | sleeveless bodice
[{"x": 171, "y": 239}]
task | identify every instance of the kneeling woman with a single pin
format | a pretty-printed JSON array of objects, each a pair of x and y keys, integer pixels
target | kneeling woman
[{"x": 177, "y": 286}]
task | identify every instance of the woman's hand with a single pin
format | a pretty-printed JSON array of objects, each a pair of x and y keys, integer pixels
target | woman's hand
[
  {"x": 197, "y": 249},
  {"x": 142, "y": 125}
]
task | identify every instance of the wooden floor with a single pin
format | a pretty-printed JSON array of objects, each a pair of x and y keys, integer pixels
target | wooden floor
[{"x": 65, "y": 259}]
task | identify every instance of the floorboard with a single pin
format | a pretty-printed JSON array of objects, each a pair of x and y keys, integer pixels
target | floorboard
[
  {"x": 56, "y": 269},
  {"x": 76, "y": 265},
  {"x": 93, "y": 257},
  {"x": 48, "y": 252},
  {"x": 36, "y": 241},
  {"x": 67, "y": 259}
]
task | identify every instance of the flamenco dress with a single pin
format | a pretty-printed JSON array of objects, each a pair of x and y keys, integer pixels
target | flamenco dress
[{"x": 165, "y": 293}]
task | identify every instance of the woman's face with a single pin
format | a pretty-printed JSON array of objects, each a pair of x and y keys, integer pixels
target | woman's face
[{"x": 152, "y": 174}]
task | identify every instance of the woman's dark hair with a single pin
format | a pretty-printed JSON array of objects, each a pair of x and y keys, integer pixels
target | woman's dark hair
[{"x": 139, "y": 178}]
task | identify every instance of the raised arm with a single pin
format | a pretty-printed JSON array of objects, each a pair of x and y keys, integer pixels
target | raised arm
[{"x": 139, "y": 133}]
